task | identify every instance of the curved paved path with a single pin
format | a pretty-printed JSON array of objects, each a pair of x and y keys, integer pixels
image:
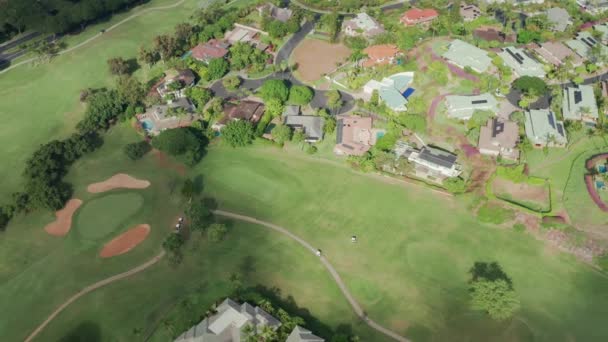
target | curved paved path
[
  {"x": 91, "y": 288},
  {"x": 354, "y": 304},
  {"x": 86, "y": 41}
]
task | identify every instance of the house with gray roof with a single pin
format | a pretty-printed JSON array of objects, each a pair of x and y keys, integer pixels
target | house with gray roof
[
  {"x": 559, "y": 18},
  {"x": 593, "y": 6},
  {"x": 603, "y": 28},
  {"x": 391, "y": 90},
  {"x": 462, "y": 107},
  {"x": 310, "y": 125},
  {"x": 469, "y": 12},
  {"x": 434, "y": 164},
  {"x": 543, "y": 129},
  {"x": 521, "y": 62},
  {"x": 362, "y": 25},
  {"x": 583, "y": 43},
  {"x": 277, "y": 13},
  {"x": 174, "y": 114},
  {"x": 300, "y": 334},
  {"x": 464, "y": 55},
  {"x": 579, "y": 104},
  {"x": 229, "y": 323}
]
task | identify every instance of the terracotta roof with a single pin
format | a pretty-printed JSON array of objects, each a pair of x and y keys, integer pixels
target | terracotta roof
[
  {"x": 417, "y": 15},
  {"x": 490, "y": 33},
  {"x": 212, "y": 49},
  {"x": 245, "y": 110}
]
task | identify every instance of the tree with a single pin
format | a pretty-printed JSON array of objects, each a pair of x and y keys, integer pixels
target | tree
[
  {"x": 216, "y": 232},
  {"x": 530, "y": 85},
  {"x": 300, "y": 95},
  {"x": 455, "y": 185},
  {"x": 281, "y": 134},
  {"x": 165, "y": 46},
  {"x": 334, "y": 99},
  {"x": 218, "y": 67},
  {"x": 274, "y": 89},
  {"x": 276, "y": 29},
  {"x": 172, "y": 246},
  {"x": 492, "y": 291},
  {"x": 119, "y": 66},
  {"x": 180, "y": 142},
  {"x": 188, "y": 188},
  {"x": 231, "y": 82},
  {"x": 148, "y": 57},
  {"x": 298, "y": 137},
  {"x": 102, "y": 108},
  {"x": 130, "y": 91},
  {"x": 137, "y": 150},
  {"x": 238, "y": 133},
  {"x": 198, "y": 215},
  {"x": 199, "y": 95}
]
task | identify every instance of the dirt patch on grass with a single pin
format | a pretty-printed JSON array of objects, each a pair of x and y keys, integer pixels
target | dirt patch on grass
[
  {"x": 118, "y": 181},
  {"x": 315, "y": 58},
  {"x": 165, "y": 163},
  {"x": 63, "y": 222},
  {"x": 523, "y": 193},
  {"x": 125, "y": 241}
]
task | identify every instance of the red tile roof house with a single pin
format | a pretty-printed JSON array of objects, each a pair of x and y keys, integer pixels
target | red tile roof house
[
  {"x": 249, "y": 110},
  {"x": 417, "y": 16},
  {"x": 212, "y": 49},
  {"x": 354, "y": 135},
  {"x": 380, "y": 55}
]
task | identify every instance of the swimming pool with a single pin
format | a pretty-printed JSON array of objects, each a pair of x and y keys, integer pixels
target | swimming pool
[
  {"x": 601, "y": 168},
  {"x": 147, "y": 125},
  {"x": 599, "y": 184}
]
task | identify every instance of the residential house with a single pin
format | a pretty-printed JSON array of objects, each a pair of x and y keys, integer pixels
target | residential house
[
  {"x": 416, "y": 16},
  {"x": 582, "y": 45},
  {"x": 499, "y": 137},
  {"x": 249, "y": 110},
  {"x": 515, "y": 2},
  {"x": 311, "y": 125},
  {"x": 462, "y": 107},
  {"x": 229, "y": 324},
  {"x": 290, "y": 110},
  {"x": 247, "y": 34},
  {"x": 469, "y": 12},
  {"x": 214, "y": 48},
  {"x": 521, "y": 62},
  {"x": 435, "y": 164},
  {"x": 603, "y": 28},
  {"x": 489, "y": 33},
  {"x": 543, "y": 129},
  {"x": 392, "y": 90},
  {"x": 177, "y": 113},
  {"x": 556, "y": 53},
  {"x": 175, "y": 82},
  {"x": 579, "y": 104},
  {"x": 277, "y": 13},
  {"x": 362, "y": 25},
  {"x": 464, "y": 55},
  {"x": 354, "y": 135},
  {"x": 299, "y": 334},
  {"x": 559, "y": 18},
  {"x": 380, "y": 55}
]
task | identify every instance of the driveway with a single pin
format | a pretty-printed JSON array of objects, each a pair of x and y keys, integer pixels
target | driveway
[{"x": 287, "y": 48}]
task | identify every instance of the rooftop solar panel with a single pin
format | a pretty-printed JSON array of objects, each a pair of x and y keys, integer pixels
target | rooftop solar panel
[
  {"x": 578, "y": 96},
  {"x": 551, "y": 119},
  {"x": 560, "y": 129},
  {"x": 479, "y": 101}
]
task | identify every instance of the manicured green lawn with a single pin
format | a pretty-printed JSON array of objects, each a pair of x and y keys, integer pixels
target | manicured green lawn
[{"x": 41, "y": 103}]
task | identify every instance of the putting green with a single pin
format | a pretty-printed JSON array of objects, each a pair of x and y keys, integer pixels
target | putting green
[{"x": 107, "y": 214}]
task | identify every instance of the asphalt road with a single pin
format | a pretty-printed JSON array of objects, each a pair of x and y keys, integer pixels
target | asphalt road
[{"x": 16, "y": 42}]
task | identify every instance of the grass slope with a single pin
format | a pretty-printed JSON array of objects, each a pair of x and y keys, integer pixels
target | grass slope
[{"x": 41, "y": 103}]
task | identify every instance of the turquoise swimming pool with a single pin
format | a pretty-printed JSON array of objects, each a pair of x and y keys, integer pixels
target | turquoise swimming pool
[{"x": 147, "y": 125}]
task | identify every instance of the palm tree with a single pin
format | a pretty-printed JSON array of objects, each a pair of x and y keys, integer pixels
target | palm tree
[
  {"x": 267, "y": 334},
  {"x": 250, "y": 332}
]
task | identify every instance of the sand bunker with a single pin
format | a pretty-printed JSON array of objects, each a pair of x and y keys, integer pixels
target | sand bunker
[
  {"x": 61, "y": 226},
  {"x": 125, "y": 241},
  {"x": 118, "y": 181}
]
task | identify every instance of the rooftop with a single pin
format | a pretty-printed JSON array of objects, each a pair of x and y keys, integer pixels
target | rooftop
[
  {"x": 556, "y": 52},
  {"x": 579, "y": 103},
  {"x": 542, "y": 128},
  {"x": 559, "y": 17},
  {"x": 490, "y": 33},
  {"x": 311, "y": 125},
  {"x": 583, "y": 43},
  {"x": 462, "y": 107},
  {"x": 469, "y": 12},
  {"x": 466, "y": 55},
  {"x": 366, "y": 23},
  {"x": 353, "y": 134},
  {"x": 438, "y": 157},
  {"x": 300, "y": 334},
  {"x": 212, "y": 49},
  {"x": 500, "y": 137},
  {"x": 522, "y": 63},
  {"x": 416, "y": 15},
  {"x": 380, "y": 54},
  {"x": 391, "y": 89}
]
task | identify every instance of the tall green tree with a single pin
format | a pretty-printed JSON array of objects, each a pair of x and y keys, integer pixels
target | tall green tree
[
  {"x": 274, "y": 89},
  {"x": 238, "y": 133}
]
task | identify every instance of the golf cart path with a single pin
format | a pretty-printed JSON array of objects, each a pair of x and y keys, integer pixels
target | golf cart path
[
  {"x": 86, "y": 41},
  {"x": 349, "y": 297},
  {"x": 91, "y": 288}
]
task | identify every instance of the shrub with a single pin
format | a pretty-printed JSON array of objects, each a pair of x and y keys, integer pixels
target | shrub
[
  {"x": 514, "y": 174},
  {"x": 274, "y": 89},
  {"x": 238, "y": 133},
  {"x": 216, "y": 232},
  {"x": 492, "y": 213},
  {"x": 311, "y": 149},
  {"x": 519, "y": 227},
  {"x": 455, "y": 185},
  {"x": 137, "y": 150},
  {"x": 300, "y": 95}
]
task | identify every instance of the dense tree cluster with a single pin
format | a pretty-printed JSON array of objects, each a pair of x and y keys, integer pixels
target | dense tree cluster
[
  {"x": 56, "y": 16},
  {"x": 492, "y": 291},
  {"x": 182, "y": 142},
  {"x": 137, "y": 150},
  {"x": 238, "y": 133}
]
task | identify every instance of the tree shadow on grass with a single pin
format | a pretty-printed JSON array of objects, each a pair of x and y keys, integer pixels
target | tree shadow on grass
[
  {"x": 86, "y": 331},
  {"x": 490, "y": 271}
]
